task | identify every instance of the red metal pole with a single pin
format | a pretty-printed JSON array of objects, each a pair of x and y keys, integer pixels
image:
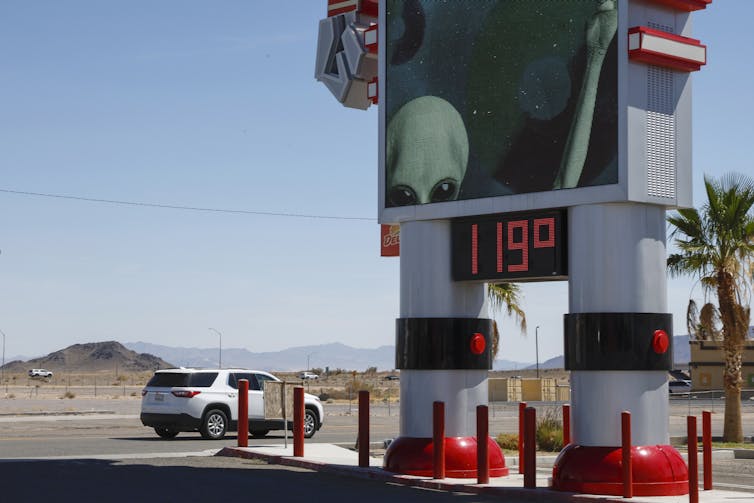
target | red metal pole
[
  {"x": 438, "y": 440},
  {"x": 521, "y": 409},
  {"x": 298, "y": 421},
  {"x": 243, "y": 413},
  {"x": 482, "y": 448},
  {"x": 693, "y": 460},
  {"x": 707, "y": 449},
  {"x": 628, "y": 468},
  {"x": 364, "y": 428},
  {"x": 530, "y": 447},
  {"x": 566, "y": 424}
]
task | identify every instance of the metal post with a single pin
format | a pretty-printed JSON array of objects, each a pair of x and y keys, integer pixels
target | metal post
[
  {"x": 482, "y": 447},
  {"x": 243, "y": 413},
  {"x": 530, "y": 447},
  {"x": 298, "y": 421},
  {"x": 536, "y": 347},
  {"x": 707, "y": 449},
  {"x": 363, "y": 428},
  {"x": 693, "y": 460},
  {"x": 438, "y": 440},
  {"x": 521, "y": 453},
  {"x": 3, "y": 365},
  {"x": 566, "y": 424},
  {"x": 628, "y": 469},
  {"x": 220, "y": 354}
]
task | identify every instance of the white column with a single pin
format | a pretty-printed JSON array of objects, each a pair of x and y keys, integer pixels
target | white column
[
  {"x": 617, "y": 263},
  {"x": 427, "y": 291}
]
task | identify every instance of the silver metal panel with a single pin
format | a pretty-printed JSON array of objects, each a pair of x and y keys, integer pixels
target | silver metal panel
[
  {"x": 599, "y": 397},
  {"x": 616, "y": 258},
  {"x": 461, "y": 390}
]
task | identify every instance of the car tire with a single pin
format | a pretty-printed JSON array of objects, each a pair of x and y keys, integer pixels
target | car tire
[
  {"x": 311, "y": 423},
  {"x": 259, "y": 433},
  {"x": 214, "y": 425},
  {"x": 165, "y": 432}
]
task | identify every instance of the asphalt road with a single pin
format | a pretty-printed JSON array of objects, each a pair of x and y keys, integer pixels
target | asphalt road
[
  {"x": 193, "y": 479},
  {"x": 101, "y": 445}
]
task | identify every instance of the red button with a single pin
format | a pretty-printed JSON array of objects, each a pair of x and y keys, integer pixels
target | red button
[
  {"x": 660, "y": 342},
  {"x": 478, "y": 343}
]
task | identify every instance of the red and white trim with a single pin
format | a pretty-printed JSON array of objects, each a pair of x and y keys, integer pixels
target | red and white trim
[
  {"x": 685, "y": 5},
  {"x": 659, "y": 48},
  {"x": 337, "y": 7},
  {"x": 371, "y": 39}
]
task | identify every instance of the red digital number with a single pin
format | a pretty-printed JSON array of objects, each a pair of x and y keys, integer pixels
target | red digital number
[
  {"x": 499, "y": 247},
  {"x": 522, "y": 245},
  {"x": 550, "y": 224}
]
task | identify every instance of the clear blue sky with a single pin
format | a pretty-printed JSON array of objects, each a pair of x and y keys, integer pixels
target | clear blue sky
[{"x": 214, "y": 104}]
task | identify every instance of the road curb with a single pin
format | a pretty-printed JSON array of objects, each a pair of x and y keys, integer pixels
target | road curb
[{"x": 380, "y": 475}]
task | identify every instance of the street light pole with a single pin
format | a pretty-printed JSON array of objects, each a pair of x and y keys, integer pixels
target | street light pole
[
  {"x": 220, "y": 355},
  {"x": 2, "y": 379},
  {"x": 308, "y": 366},
  {"x": 536, "y": 347}
]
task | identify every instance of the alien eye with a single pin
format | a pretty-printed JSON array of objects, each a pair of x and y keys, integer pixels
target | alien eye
[
  {"x": 402, "y": 195},
  {"x": 444, "y": 190}
]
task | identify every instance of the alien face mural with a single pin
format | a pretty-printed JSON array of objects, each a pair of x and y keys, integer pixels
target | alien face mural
[
  {"x": 426, "y": 152},
  {"x": 495, "y": 97}
]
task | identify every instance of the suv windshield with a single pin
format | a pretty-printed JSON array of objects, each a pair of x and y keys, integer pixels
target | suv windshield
[{"x": 183, "y": 379}]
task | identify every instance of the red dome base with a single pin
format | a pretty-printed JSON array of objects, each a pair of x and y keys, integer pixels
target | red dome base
[
  {"x": 658, "y": 470},
  {"x": 413, "y": 456}
]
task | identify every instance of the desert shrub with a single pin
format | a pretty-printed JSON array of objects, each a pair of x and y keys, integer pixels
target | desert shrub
[
  {"x": 11, "y": 396},
  {"x": 69, "y": 395},
  {"x": 550, "y": 431},
  {"x": 371, "y": 371},
  {"x": 507, "y": 441},
  {"x": 356, "y": 385}
]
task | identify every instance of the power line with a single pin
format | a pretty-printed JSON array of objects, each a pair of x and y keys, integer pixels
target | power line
[{"x": 185, "y": 208}]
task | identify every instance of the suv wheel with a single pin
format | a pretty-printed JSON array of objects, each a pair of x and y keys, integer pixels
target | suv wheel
[
  {"x": 215, "y": 425},
  {"x": 310, "y": 423},
  {"x": 165, "y": 432}
]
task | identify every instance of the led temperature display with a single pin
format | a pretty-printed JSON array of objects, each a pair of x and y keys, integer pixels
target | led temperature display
[{"x": 510, "y": 247}]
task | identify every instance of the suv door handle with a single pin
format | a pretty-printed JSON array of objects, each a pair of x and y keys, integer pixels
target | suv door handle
[{"x": 232, "y": 395}]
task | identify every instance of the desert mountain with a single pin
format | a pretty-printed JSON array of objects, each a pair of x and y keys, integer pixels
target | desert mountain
[{"x": 92, "y": 357}]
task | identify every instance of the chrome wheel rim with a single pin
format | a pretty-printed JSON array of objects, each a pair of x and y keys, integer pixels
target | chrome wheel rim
[
  {"x": 215, "y": 425},
  {"x": 308, "y": 424}
]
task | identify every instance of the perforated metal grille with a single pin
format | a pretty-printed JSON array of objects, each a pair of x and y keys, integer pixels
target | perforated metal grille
[{"x": 661, "y": 169}]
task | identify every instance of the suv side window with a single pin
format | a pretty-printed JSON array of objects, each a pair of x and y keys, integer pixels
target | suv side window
[
  {"x": 234, "y": 377},
  {"x": 202, "y": 379},
  {"x": 262, "y": 378}
]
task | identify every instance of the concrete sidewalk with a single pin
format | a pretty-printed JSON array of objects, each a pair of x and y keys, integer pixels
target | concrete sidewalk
[{"x": 338, "y": 460}]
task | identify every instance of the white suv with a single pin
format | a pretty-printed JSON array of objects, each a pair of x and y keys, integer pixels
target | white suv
[
  {"x": 40, "y": 373},
  {"x": 176, "y": 400}
]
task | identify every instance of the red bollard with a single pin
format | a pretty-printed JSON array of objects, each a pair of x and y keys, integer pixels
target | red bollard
[
  {"x": 482, "y": 448},
  {"x": 243, "y": 413},
  {"x": 298, "y": 421},
  {"x": 363, "y": 428},
  {"x": 530, "y": 447},
  {"x": 628, "y": 467},
  {"x": 566, "y": 424},
  {"x": 521, "y": 409},
  {"x": 707, "y": 449},
  {"x": 693, "y": 460},
  {"x": 438, "y": 440}
]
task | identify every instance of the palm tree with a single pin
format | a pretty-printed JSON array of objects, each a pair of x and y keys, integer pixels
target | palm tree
[
  {"x": 508, "y": 296},
  {"x": 716, "y": 245}
]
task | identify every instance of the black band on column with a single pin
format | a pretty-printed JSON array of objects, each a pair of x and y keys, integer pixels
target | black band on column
[
  {"x": 618, "y": 341},
  {"x": 443, "y": 343}
]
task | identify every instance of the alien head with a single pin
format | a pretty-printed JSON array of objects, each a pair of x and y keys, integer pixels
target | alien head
[{"x": 427, "y": 150}]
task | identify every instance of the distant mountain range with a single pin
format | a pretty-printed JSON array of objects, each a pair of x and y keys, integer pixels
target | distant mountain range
[{"x": 147, "y": 356}]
